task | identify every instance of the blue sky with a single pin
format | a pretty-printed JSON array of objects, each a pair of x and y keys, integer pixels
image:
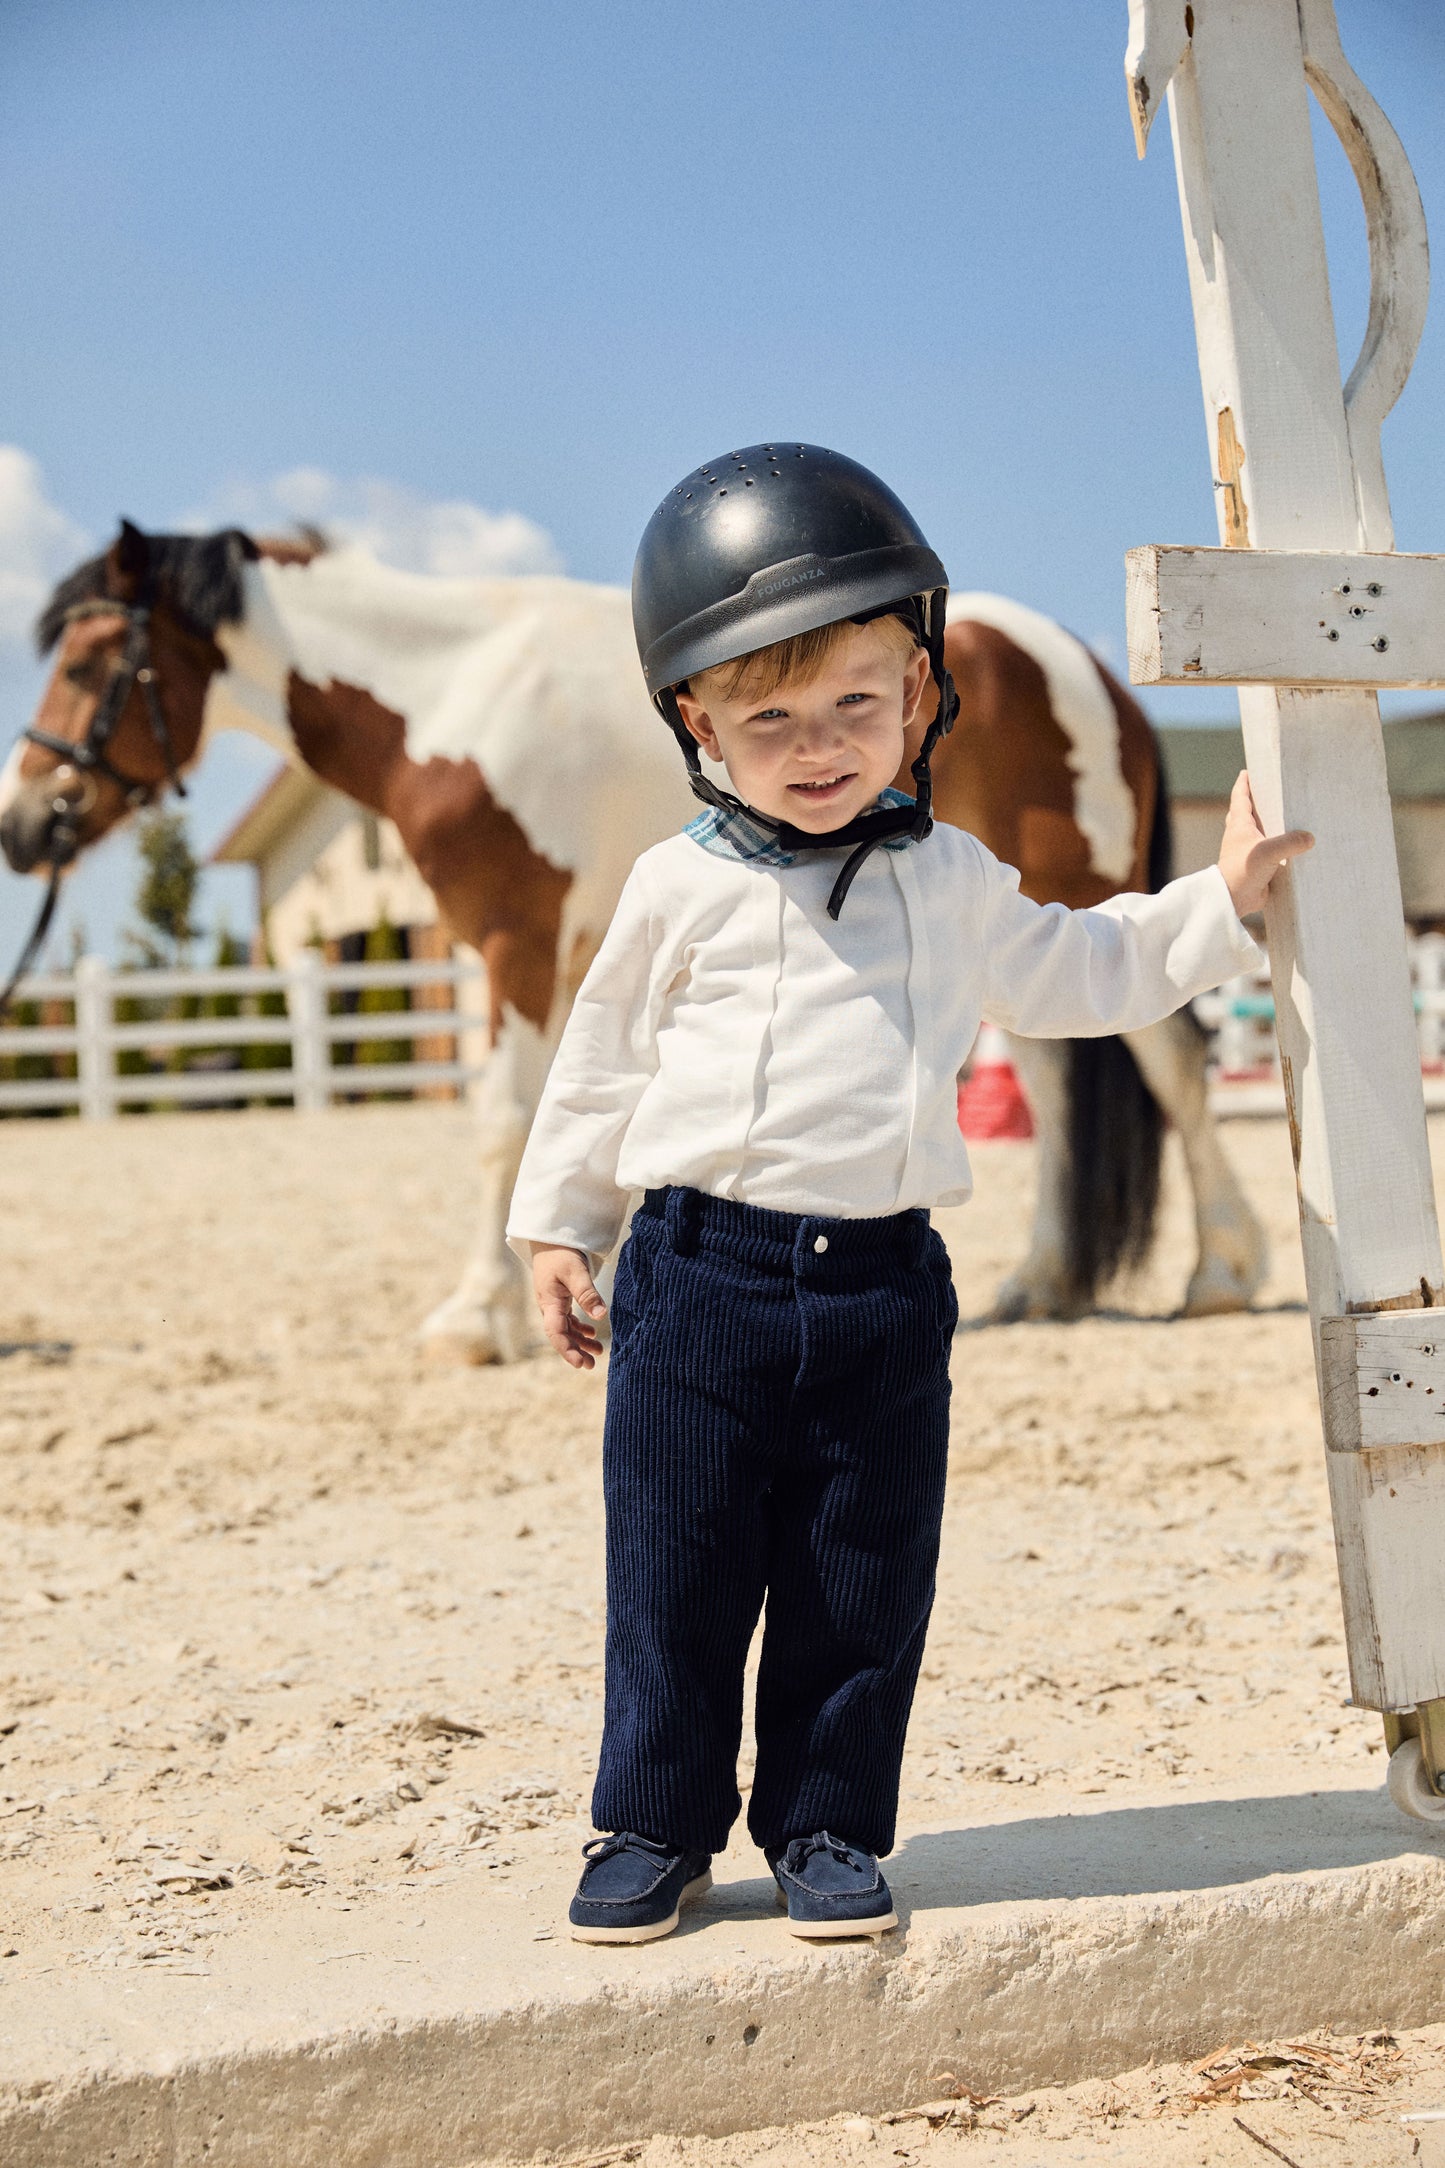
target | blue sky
[{"x": 539, "y": 262}]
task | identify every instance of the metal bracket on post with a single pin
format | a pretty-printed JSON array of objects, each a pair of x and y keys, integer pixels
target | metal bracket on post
[{"x": 1425, "y": 1722}]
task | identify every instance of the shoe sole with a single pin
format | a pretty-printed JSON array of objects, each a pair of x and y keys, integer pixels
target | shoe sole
[
  {"x": 655, "y": 1930},
  {"x": 835, "y": 1930}
]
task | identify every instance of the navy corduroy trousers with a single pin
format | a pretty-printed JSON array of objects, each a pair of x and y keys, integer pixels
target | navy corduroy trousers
[{"x": 777, "y": 1425}]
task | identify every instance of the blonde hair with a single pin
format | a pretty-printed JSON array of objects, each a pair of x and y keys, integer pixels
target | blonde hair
[{"x": 796, "y": 661}]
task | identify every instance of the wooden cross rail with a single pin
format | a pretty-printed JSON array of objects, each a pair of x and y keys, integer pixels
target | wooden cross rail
[
  {"x": 1304, "y": 517},
  {"x": 1301, "y": 617}
]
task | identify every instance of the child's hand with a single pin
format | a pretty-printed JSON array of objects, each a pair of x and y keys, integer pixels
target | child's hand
[
  {"x": 1248, "y": 858},
  {"x": 559, "y": 1278}
]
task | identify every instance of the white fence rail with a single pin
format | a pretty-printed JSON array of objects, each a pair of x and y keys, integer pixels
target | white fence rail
[
  {"x": 304, "y": 1025},
  {"x": 1240, "y": 1020},
  {"x": 308, "y": 1030}
]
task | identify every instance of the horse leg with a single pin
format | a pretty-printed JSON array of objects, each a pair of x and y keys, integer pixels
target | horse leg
[
  {"x": 1233, "y": 1254},
  {"x": 1040, "y": 1286},
  {"x": 489, "y": 1316}
]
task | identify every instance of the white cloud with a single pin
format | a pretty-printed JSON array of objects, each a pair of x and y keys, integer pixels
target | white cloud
[
  {"x": 38, "y": 544},
  {"x": 399, "y": 525}
]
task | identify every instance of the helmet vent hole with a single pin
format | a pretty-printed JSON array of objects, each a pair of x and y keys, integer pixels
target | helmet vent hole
[{"x": 748, "y": 483}]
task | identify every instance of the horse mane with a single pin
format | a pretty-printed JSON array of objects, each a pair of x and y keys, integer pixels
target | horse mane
[{"x": 199, "y": 575}]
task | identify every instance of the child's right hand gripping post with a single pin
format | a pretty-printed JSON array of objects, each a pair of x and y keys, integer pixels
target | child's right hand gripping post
[
  {"x": 560, "y": 1279},
  {"x": 1248, "y": 858}
]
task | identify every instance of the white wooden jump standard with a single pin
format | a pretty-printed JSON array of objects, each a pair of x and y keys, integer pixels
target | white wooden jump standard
[{"x": 1309, "y": 622}]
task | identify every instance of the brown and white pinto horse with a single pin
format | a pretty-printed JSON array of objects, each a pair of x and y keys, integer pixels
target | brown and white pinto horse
[{"x": 503, "y": 726}]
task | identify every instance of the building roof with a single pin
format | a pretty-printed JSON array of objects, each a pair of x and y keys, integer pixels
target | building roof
[
  {"x": 1203, "y": 762},
  {"x": 281, "y": 802}
]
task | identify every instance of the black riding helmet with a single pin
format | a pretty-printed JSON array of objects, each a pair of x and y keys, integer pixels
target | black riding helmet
[{"x": 767, "y": 543}]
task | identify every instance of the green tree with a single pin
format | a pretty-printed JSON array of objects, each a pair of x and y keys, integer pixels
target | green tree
[
  {"x": 166, "y": 896},
  {"x": 164, "y": 901},
  {"x": 384, "y": 944},
  {"x": 229, "y": 952},
  {"x": 261, "y": 1054}
]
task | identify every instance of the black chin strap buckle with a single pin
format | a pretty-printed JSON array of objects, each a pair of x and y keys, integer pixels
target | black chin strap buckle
[{"x": 921, "y": 823}]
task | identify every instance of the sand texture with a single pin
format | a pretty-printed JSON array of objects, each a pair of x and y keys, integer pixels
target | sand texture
[{"x": 290, "y": 1619}]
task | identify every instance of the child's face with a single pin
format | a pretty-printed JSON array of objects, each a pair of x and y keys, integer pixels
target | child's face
[{"x": 816, "y": 754}]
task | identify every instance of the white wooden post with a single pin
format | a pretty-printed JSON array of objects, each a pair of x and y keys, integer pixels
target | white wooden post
[
  {"x": 473, "y": 1000},
  {"x": 1297, "y": 468},
  {"x": 94, "y": 1055},
  {"x": 1429, "y": 986},
  {"x": 310, "y": 1052}
]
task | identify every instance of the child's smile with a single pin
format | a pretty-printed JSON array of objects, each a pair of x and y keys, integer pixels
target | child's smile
[{"x": 825, "y": 788}]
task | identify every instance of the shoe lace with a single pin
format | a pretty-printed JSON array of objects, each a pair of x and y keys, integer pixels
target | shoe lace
[
  {"x": 624, "y": 1840},
  {"x": 802, "y": 1849}
]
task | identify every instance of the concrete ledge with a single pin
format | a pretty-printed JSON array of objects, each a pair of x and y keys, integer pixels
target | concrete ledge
[{"x": 435, "y": 2029}]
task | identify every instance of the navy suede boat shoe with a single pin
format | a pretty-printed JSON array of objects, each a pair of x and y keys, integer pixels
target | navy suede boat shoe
[
  {"x": 831, "y": 1888},
  {"x": 632, "y": 1889}
]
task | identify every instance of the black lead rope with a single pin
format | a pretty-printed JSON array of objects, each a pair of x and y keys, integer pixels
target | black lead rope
[
  {"x": 63, "y": 845},
  {"x": 36, "y": 942}
]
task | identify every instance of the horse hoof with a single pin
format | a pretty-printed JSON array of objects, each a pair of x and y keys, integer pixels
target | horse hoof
[
  {"x": 1215, "y": 1302},
  {"x": 457, "y": 1350},
  {"x": 1021, "y": 1302},
  {"x": 473, "y": 1336},
  {"x": 1218, "y": 1292}
]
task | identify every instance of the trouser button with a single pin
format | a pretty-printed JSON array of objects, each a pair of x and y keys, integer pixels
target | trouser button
[{"x": 820, "y": 1244}]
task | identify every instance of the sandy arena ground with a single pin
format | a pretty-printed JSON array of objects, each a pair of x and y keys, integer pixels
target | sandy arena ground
[{"x": 290, "y": 1619}]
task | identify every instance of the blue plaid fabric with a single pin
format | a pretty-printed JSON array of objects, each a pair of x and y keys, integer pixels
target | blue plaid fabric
[{"x": 733, "y": 835}]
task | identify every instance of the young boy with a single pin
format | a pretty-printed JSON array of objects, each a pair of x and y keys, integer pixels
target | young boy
[{"x": 767, "y": 1046}]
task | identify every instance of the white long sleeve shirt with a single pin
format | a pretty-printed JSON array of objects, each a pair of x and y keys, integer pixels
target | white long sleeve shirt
[{"x": 733, "y": 1038}]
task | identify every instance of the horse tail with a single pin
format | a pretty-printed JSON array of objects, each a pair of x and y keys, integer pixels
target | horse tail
[{"x": 1116, "y": 1132}]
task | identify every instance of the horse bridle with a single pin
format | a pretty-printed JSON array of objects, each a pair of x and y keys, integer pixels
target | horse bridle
[{"x": 90, "y": 755}]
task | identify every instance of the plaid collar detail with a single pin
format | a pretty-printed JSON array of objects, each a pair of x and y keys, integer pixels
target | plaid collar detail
[{"x": 734, "y": 835}]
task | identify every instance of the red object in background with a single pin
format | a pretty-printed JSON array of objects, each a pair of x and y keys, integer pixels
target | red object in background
[{"x": 991, "y": 1103}]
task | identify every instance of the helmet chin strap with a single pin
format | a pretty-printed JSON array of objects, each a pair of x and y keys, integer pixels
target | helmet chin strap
[{"x": 866, "y": 831}]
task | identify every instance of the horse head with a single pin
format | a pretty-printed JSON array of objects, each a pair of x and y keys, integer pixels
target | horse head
[{"x": 134, "y": 638}]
